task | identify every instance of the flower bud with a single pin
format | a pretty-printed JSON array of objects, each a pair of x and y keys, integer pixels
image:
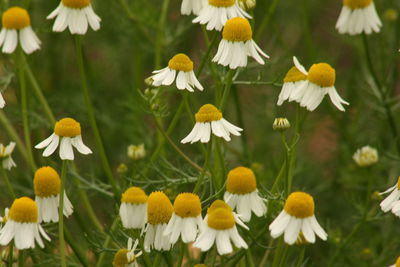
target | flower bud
[
  {"x": 136, "y": 152},
  {"x": 281, "y": 124},
  {"x": 247, "y": 4},
  {"x": 366, "y": 156}
]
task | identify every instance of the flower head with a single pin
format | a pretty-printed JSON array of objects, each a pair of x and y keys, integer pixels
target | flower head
[
  {"x": 192, "y": 6},
  {"x": 133, "y": 209},
  {"x": 366, "y": 156},
  {"x": 247, "y": 4},
  {"x": 127, "y": 257},
  {"x": 5, "y": 155},
  {"x": 136, "y": 152},
  {"x": 281, "y": 124}
]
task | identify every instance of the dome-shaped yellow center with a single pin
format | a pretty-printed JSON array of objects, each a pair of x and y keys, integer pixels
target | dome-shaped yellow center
[
  {"x": 221, "y": 219},
  {"x": 218, "y": 204},
  {"x": 221, "y": 3},
  {"x": 121, "y": 258},
  {"x": 134, "y": 195},
  {"x": 241, "y": 180},
  {"x": 16, "y": 18},
  {"x": 208, "y": 113},
  {"x": 181, "y": 62},
  {"x": 77, "y": 4},
  {"x": 398, "y": 183},
  {"x": 322, "y": 74},
  {"x": 187, "y": 205},
  {"x": 294, "y": 75},
  {"x": 159, "y": 208},
  {"x": 300, "y": 205},
  {"x": 398, "y": 262},
  {"x": 23, "y": 210},
  {"x": 67, "y": 127},
  {"x": 354, "y": 4},
  {"x": 46, "y": 182},
  {"x": 237, "y": 30}
]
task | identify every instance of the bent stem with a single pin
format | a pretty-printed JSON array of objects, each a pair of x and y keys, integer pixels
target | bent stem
[{"x": 61, "y": 215}]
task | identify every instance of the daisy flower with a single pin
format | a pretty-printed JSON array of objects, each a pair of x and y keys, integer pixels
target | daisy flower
[
  {"x": 297, "y": 218},
  {"x": 242, "y": 194},
  {"x": 215, "y": 13},
  {"x": 22, "y": 225},
  {"x": 358, "y": 16},
  {"x": 159, "y": 212},
  {"x": 181, "y": 67},
  {"x": 396, "y": 264},
  {"x": 69, "y": 131},
  {"x": 392, "y": 202},
  {"x": 76, "y": 15},
  {"x": 209, "y": 120},
  {"x": 17, "y": 27},
  {"x": 220, "y": 228},
  {"x": 127, "y": 257},
  {"x": 186, "y": 220},
  {"x": 366, "y": 156},
  {"x": 192, "y": 6},
  {"x": 47, "y": 190},
  {"x": 5, "y": 155},
  {"x": 133, "y": 209},
  {"x": 237, "y": 44}
]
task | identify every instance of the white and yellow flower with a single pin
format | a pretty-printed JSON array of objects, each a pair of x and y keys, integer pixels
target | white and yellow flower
[
  {"x": 366, "y": 156},
  {"x": 77, "y": 15},
  {"x": 297, "y": 219},
  {"x": 126, "y": 257},
  {"x": 358, "y": 16},
  {"x": 22, "y": 225},
  {"x": 133, "y": 209},
  {"x": 17, "y": 28},
  {"x": 47, "y": 190},
  {"x": 237, "y": 44},
  {"x": 192, "y": 6},
  {"x": 5, "y": 155},
  {"x": 67, "y": 134},
  {"x": 209, "y": 120},
  {"x": 392, "y": 201}
]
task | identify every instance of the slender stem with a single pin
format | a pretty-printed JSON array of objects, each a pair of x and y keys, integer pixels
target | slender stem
[
  {"x": 227, "y": 89},
  {"x": 107, "y": 242},
  {"x": 301, "y": 256},
  {"x": 7, "y": 181},
  {"x": 157, "y": 260},
  {"x": 205, "y": 167},
  {"x": 220, "y": 166},
  {"x": 10, "y": 260},
  {"x": 249, "y": 258},
  {"x": 21, "y": 258},
  {"x": 278, "y": 253},
  {"x": 207, "y": 54},
  {"x": 61, "y": 215},
  {"x": 240, "y": 119},
  {"x": 266, "y": 19},
  {"x": 160, "y": 34},
  {"x": 79, "y": 253},
  {"x": 181, "y": 255}
]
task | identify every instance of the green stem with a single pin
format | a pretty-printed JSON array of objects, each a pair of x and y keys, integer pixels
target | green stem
[
  {"x": 240, "y": 119},
  {"x": 10, "y": 260},
  {"x": 21, "y": 258},
  {"x": 157, "y": 260},
  {"x": 160, "y": 34},
  {"x": 79, "y": 253},
  {"x": 107, "y": 242},
  {"x": 278, "y": 253},
  {"x": 227, "y": 89},
  {"x": 61, "y": 215},
  {"x": 301, "y": 256},
  {"x": 205, "y": 167},
  {"x": 181, "y": 255},
  {"x": 249, "y": 258},
  {"x": 266, "y": 19},
  {"x": 220, "y": 164},
  {"x": 7, "y": 181}
]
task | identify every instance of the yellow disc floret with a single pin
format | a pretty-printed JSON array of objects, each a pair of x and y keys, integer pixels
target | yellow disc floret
[
  {"x": 121, "y": 258},
  {"x": 181, "y": 62},
  {"x": 208, "y": 113},
  {"x": 200, "y": 265},
  {"x": 398, "y": 262},
  {"x": 46, "y": 182},
  {"x": 221, "y": 3},
  {"x": 294, "y": 75},
  {"x": 134, "y": 195},
  {"x": 300, "y": 205},
  {"x": 354, "y": 4},
  {"x": 221, "y": 219},
  {"x": 398, "y": 183},
  {"x": 187, "y": 205},
  {"x": 159, "y": 208},
  {"x": 241, "y": 181},
  {"x": 218, "y": 204},
  {"x": 322, "y": 74},
  {"x": 16, "y": 18},
  {"x": 67, "y": 127},
  {"x": 78, "y": 4},
  {"x": 23, "y": 210},
  {"x": 237, "y": 30}
]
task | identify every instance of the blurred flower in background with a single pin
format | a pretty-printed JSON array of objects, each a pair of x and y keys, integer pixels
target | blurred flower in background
[
  {"x": 366, "y": 156},
  {"x": 136, "y": 152},
  {"x": 5, "y": 155}
]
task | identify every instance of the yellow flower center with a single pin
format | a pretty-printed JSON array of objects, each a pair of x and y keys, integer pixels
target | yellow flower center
[
  {"x": 398, "y": 183},
  {"x": 200, "y": 265},
  {"x": 354, "y": 4},
  {"x": 294, "y": 75},
  {"x": 159, "y": 208},
  {"x": 218, "y": 204},
  {"x": 187, "y": 205},
  {"x": 67, "y": 127},
  {"x": 46, "y": 182},
  {"x": 208, "y": 113},
  {"x": 121, "y": 258},
  {"x": 322, "y": 74},
  {"x": 134, "y": 195},
  {"x": 221, "y": 3},
  {"x": 78, "y": 4},
  {"x": 300, "y": 205},
  {"x": 398, "y": 262},
  {"x": 23, "y": 210},
  {"x": 221, "y": 219},
  {"x": 237, "y": 30},
  {"x": 241, "y": 180},
  {"x": 16, "y": 18},
  {"x": 181, "y": 62}
]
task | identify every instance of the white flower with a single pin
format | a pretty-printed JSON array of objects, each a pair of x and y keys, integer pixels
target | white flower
[
  {"x": 209, "y": 120},
  {"x": 136, "y": 152},
  {"x": 77, "y": 15},
  {"x": 133, "y": 209},
  {"x": 5, "y": 155},
  {"x": 127, "y": 257},
  {"x": 17, "y": 27},
  {"x": 297, "y": 218},
  {"x": 181, "y": 67},
  {"x": 366, "y": 156},
  {"x": 215, "y": 13},
  {"x": 357, "y": 17},
  {"x": 392, "y": 201},
  {"x": 69, "y": 131},
  {"x": 237, "y": 44},
  {"x": 192, "y": 6}
]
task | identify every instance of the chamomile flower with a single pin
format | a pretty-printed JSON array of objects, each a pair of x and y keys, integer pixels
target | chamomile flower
[
  {"x": 67, "y": 131},
  {"x": 159, "y": 212},
  {"x": 47, "y": 190},
  {"x": 366, "y": 156},
  {"x": 237, "y": 44},
  {"x": 127, "y": 257},
  {"x": 242, "y": 194},
  {"x": 392, "y": 201},
  {"x": 209, "y": 120},
  {"x": 192, "y": 6},
  {"x": 136, "y": 152},
  {"x": 5, "y": 155},
  {"x": 358, "y": 16},
  {"x": 77, "y": 15},
  {"x": 296, "y": 218},
  {"x": 215, "y": 13},
  {"x": 133, "y": 209},
  {"x": 22, "y": 225},
  {"x": 17, "y": 28},
  {"x": 220, "y": 228},
  {"x": 186, "y": 221},
  {"x": 396, "y": 264},
  {"x": 181, "y": 68}
]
